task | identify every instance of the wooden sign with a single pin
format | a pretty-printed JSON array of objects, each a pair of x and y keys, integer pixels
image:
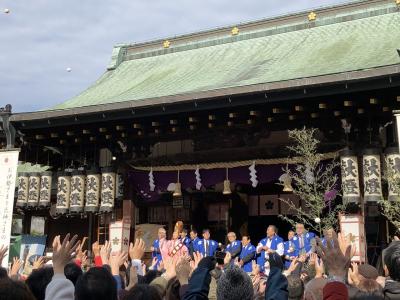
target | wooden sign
[
  {"x": 8, "y": 174},
  {"x": 269, "y": 205}
]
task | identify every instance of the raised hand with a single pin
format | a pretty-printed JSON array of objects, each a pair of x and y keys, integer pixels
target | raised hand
[
  {"x": 3, "y": 251},
  {"x": 133, "y": 278},
  {"x": 170, "y": 267},
  {"x": 319, "y": 268},
  {"x": 136, "y": 251},
  {"x": 255, "y": 269},
  {"x": 16, "y": 266},
  {"x": 153, "y": 263},
  {"x": 335, "y": 261},
  {"x": 116, "y": 261},
  {"x": 105, "y": 252},
  {"x": 96, "y": 249},
  {"x": 227, "y": 258},
  {"x": 353, "y": 274},
  {"x": 197, "y": 256},
  {"x": 62, "y": 254},
  {"x": 38, "y": 263},
  {"x": 183, "y": 271}
]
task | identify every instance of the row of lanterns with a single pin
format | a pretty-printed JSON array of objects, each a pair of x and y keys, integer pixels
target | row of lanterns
[
  {"x": 371, "y": 172},
  {"x": 78, "y": 191}
]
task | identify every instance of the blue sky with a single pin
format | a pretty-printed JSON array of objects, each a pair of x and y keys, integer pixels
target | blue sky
[{"x": 40, "y": 39}]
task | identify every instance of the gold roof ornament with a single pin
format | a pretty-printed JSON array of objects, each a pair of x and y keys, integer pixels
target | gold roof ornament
[
  {"x": 166, "y": 44},
  {"x": 235, "y": 31},
  {"x": 312, "y": 16},
  {"x": 398, "y": 2}
]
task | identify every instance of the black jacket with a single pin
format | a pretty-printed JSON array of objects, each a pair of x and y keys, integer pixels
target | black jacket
[{"x": 392, "y": 290}]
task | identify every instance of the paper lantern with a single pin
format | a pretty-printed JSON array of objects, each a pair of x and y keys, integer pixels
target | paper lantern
[
  {"x": 350, "y": 177},
  {"x": 108, "y": 179},
  {"x": 33, "y": 189},
  {"x": 393, "y": 164},
  {"x": 372, "y": 175},
  {"x": 45, "y": 189},
  {"x": 77, "y": 196},
  {"x": 22, "y": 194},
  {"x": 63, "y": 192},
  {"x": 93, "y": 187}
]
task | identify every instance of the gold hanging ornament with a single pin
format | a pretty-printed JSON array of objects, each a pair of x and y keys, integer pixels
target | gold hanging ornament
[
  {"x": 178, "y": 188},
  {"x": 227, "y": 185}
]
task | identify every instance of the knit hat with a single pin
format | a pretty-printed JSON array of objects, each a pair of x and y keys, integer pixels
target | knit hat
[
  {"x": 368, "y": 271},
  {"x": 234, "y": 284},
  {"x": 335, "y": 291}
]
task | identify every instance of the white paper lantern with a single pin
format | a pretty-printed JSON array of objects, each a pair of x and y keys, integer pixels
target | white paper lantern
[
  {"x": 372, "y": 175},
  {"x": 93, "y": 187},
  {"x": 393, "y": 163},
  {"x": 63, "y": 192},
  {"x": 33, "y": 189},
  {"x": 350, "y": 177},
  {"x": 45, "y": 189},
  {"x": 23, "y": 185},
  {"x": 108, "y": 180},
  {"x": 77, "y": 196}
]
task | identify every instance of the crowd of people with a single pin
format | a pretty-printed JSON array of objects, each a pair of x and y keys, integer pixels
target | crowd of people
[{"x": 190, "y": 268}]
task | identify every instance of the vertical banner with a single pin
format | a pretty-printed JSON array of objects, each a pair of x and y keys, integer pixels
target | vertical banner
[{"x": 8, "y": 174}]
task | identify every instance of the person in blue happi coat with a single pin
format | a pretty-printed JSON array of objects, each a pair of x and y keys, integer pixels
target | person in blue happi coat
[
  {"x": 234, "y": 247},
  {"x": 247, "y": 254},
  {"x": 155, "y": 248},
  {"x": 206, "y": 246},
  {"x": 271, "y": 244},
  {"x": 184, "y": 238},
  {"x": 193, "y": 242},
  {"x": 303, "y": 240},
  {"x": 290, "y": 251},
  {"x": 329, "y": 233}
]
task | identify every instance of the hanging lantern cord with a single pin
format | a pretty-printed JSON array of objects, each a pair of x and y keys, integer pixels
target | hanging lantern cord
[
  {"x": 178, "y": 176},
  {"x": 227, "y": 174}
]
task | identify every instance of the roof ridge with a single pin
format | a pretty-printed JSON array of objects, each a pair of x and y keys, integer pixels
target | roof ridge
[{"x": 294, "y": 21}]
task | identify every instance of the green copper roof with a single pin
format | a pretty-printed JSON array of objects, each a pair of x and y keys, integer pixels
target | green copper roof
[{"x": 344, "y": 42}]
